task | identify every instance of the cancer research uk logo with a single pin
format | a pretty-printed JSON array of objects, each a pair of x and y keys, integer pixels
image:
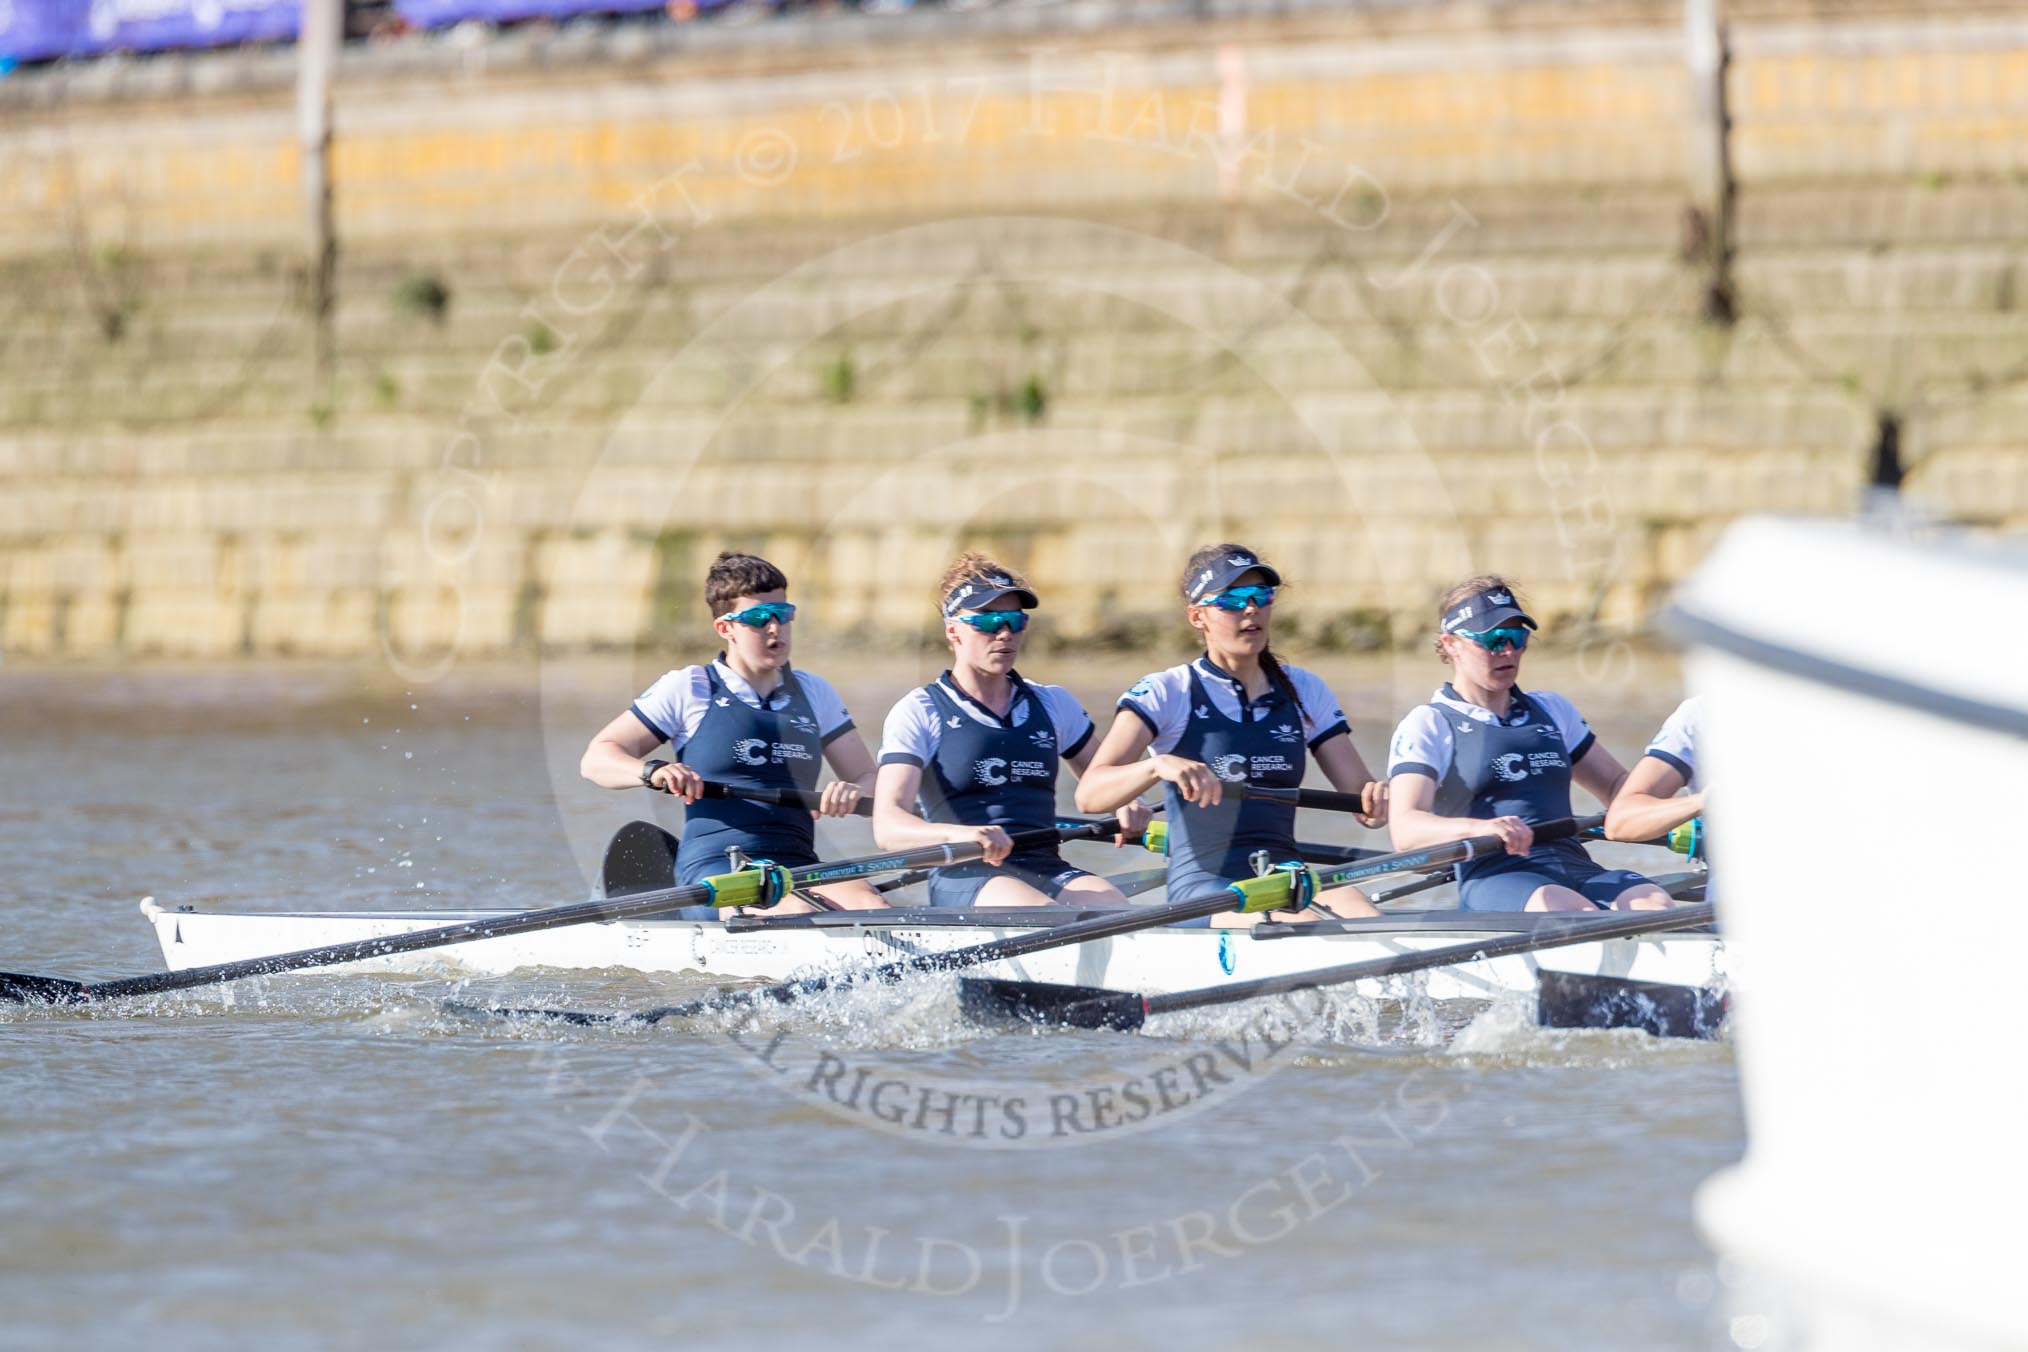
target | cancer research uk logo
[
  {"x": 1515, "y": 767},
  {"x": 995, "y": 771},
  {"x": 760, "y": 751},
  {"x": 1230, "y": 768}
]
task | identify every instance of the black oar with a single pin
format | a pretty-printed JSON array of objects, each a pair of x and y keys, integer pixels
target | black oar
[
  {"x": 992, "y": 1000},
  {"x": 812, "y": 800},
  {"x": 746, "y": 887},
  {"x": 1270, "y": 892},
  {"x": 1327, "y": 800}
]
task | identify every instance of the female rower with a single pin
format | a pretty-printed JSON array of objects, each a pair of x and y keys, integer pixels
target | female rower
[
  {"x": 1235, "y": 715},
  {"x": 977, "y": 751},
  {"x": 1484, "y": 757},
  {"x": 748, "y": 719},
  {"x": 1646, "y": 805}
]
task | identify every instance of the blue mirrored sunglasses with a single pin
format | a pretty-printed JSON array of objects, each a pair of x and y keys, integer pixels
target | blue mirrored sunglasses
[
  {"x": 1499, "y": 640},
  {"x": 760, "y": 616},
  {"x": 993, "y": 621},
  {"x": 1239, "y": 598}
]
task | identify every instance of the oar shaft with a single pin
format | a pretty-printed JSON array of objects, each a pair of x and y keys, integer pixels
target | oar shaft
[
  {"x": 1123, "y": 920},
  {"x": 629, "y": 907},
  {"x": 813, "y": 801},
  {"x": 1450, "y": 852},
  {"x": 1624, "y": 926}
]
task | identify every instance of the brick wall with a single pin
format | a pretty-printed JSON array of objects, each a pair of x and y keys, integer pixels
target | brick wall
[{"x": 1393, "y": 294}]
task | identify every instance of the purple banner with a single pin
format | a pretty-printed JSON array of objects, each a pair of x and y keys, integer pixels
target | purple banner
[
  {"x": 36, "y": 30},
  {"x": 440, "y": 13}
]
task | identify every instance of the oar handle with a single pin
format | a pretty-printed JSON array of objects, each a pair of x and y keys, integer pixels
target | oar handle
[
  {"x": 813, "y": 800},
  {"x": 803, "y": 798},
  {"x": 1328, "y": 800}
]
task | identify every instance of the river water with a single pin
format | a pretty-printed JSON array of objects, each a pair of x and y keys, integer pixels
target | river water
[{"x": 325, "y": 1159}]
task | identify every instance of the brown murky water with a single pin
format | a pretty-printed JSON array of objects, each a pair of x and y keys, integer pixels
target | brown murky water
[{"x": 325, "y": 1159}]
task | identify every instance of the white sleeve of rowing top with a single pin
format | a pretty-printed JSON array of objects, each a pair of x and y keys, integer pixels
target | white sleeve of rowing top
[
  {"x": 830, "y": 711},
  {"x": 1676, "y": 744},
  {"x": 1422, "y": 745},
  {"x": 1322, "y": 716},
  {"x": 912, "y": 732},
  {"x": 1161, "y": 700},
  {"x": 673, "y": 706},
  {"x": 1072, "y": 724},
  {"x": 1577, "y": 734}
]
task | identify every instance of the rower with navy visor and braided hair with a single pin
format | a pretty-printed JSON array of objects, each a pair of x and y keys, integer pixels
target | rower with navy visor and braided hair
[
  {"x": 1485, "y": 757},
  {"x": 972, "y": 757},
  {"x": 1237, "y": 714},
  {"x": 748, "y": 719}
]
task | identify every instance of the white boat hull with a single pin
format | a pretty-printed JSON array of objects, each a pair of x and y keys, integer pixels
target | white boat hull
[
  {"x": 1148, "y": 961},
  {"x": 1867, "y": 739}
]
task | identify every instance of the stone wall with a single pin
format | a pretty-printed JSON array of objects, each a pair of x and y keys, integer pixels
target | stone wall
[{"x": 1395, "y": 294}]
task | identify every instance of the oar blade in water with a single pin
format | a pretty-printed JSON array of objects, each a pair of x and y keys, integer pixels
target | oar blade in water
[
  {"x": 993, "y": 1000},
  {"x": 1569, "y": 1000},
  {"x": 584, "y": 1018},
  {"x": 25, "y": 988}
]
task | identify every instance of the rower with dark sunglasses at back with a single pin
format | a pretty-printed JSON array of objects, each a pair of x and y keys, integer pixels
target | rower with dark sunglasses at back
[
  {"x": 1235, "y": 715},
  {"x": 972, "y": 757},
  {"x": 747, "y": 719},
  {"x": 1485, "y": 757}
]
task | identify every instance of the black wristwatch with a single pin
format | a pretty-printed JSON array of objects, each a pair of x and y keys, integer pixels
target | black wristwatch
[{"x": 648, "y": 769}]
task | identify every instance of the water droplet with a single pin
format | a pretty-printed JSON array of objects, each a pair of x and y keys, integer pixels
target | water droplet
[
  {"x": 408, "y": 755},
  {"x": 366, "y": 720}
]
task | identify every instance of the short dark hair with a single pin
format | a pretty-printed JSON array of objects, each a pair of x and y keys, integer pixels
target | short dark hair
[{"x": 734, "y": 575}]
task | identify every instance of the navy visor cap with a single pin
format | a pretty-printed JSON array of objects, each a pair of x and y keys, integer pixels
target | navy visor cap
[
  {"x": 1485, "y": 610},
  {"x": 1225, "y": 571},
  {"x": 976, "y": 593}
]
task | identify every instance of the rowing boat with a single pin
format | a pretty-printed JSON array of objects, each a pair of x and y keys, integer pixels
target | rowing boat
[{"x": 1156, "y": 960}]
